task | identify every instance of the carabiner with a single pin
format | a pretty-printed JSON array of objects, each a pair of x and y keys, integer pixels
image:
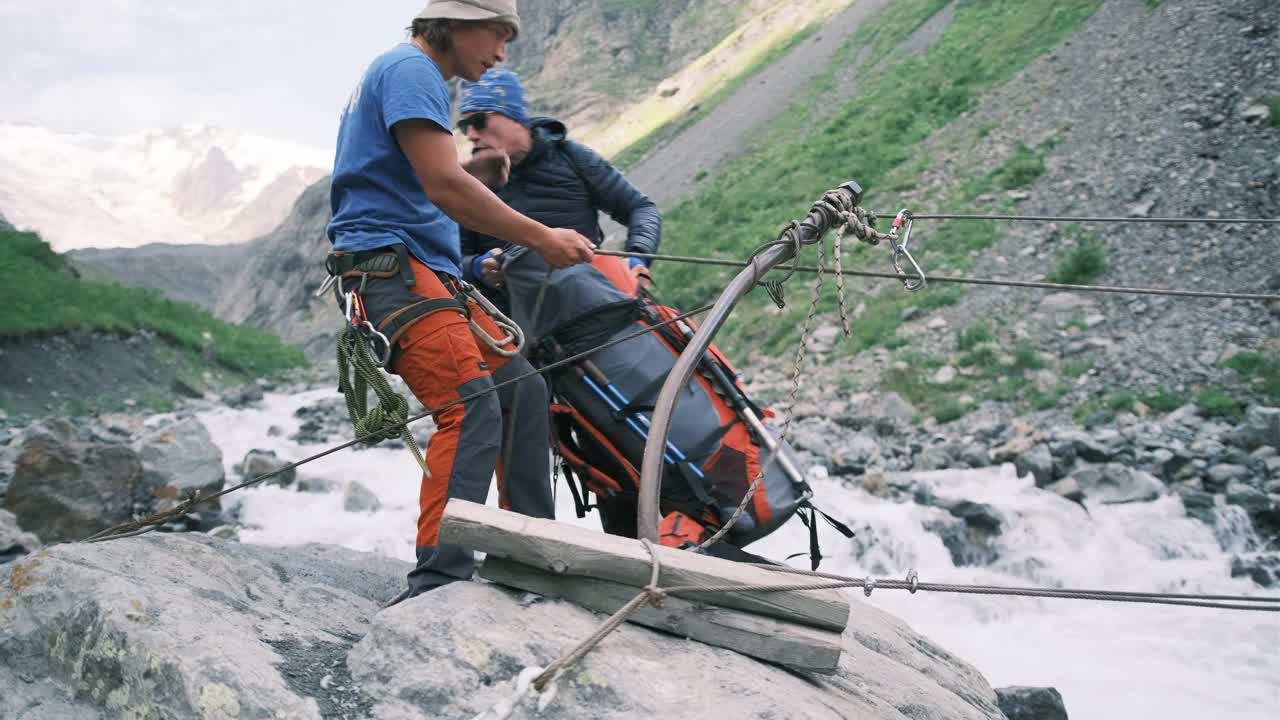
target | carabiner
[
  {"x": 902, "y": 222},
  {"x": 379, "y": 345}
]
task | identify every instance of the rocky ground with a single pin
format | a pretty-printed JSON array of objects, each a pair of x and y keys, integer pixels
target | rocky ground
[
  {"x": 1143, "y": 113},
  {"x": 191, "y": 626}
]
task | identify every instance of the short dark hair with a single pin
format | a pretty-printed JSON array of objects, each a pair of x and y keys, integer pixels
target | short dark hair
[{"x": 437, "y": 32}]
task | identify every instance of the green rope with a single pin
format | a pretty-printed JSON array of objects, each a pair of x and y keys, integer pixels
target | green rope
[{"x": 387, "y": 419}]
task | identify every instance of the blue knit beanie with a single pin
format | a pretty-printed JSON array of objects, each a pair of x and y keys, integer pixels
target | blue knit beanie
[{"x": 498, "y": 90}]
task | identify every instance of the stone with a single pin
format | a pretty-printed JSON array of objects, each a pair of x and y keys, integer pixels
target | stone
[
  {"x": 937, "y": 324},
  {"x": 944, "y": 376},
  {"x": 260, "y": 462},
  {"x": 889, "y": 405},
  {"x": 935, "y": 457},
  {"x": 64, "y": 489},
  {"x": 185, "y": 625},
  {"x": 1255, "y": 112},
  {"x": 1068, "y": 488},
  {"x": 854, "y": 456},
  {"x": 1253, "y": 500},
  {"x": 358, "y": 498},
  {"x": 1031, "y": 703},
  {"x": 1112, "y": 483},
  {"x": 14, "y": 541},
  {"x": 1261, "y": 426},
  {"x": 969, "y": 533},
  {"x": 910, "y": 313},
  {"x": 1219, "y": 476},
  {"x": 315, "y": 484},
  {"x": 1199, "y": 505},
  {"x": 1037, "y": 461},
  {"x": 823, "y": 340},
  {"x": 1263, "y": 568},
  {"x": 229, "y": 533},
  {"x": 189, "y": 626},
  {"x": 178, "y": 461},
  {"x": 975, "y": 455}
]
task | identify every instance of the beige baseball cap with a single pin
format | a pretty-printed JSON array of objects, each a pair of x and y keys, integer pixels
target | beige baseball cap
[{"x": 502, "y": 11}]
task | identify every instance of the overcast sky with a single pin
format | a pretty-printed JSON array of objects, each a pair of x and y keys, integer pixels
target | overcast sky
[{"x": 281, "y": 68}]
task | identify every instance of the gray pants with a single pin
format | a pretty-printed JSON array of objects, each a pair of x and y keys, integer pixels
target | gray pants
[{"x": 510, "y": 428}]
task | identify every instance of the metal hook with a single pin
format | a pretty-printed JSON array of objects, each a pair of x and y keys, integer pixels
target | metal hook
[
  {"x": 379, "y": 345},
  {"x": 868, "y": 585},
  {"x": 913, "y": 581},
  {"x": 900, "y": 251}
]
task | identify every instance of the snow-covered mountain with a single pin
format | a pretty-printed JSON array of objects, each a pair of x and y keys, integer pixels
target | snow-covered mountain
[{"x": 190, "y": 184}]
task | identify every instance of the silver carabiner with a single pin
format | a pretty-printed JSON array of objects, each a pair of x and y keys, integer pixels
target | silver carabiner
[
  {"x": 903, "y": 222},
  {"x": 379, "y": 345}
]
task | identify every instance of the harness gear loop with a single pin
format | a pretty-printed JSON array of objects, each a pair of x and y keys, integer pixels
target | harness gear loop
[
  {"x": 902, "y": 223},
  {"x": 388, "y": 418}
]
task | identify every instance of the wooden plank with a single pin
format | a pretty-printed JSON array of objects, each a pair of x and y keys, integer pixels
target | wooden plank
[
  {"x": 567, "y": 550},
  {"x": 796, "y": 646}
]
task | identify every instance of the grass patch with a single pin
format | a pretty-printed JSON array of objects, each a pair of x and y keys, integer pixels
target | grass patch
[
  {"x": 50, "y": 298},
  {"x": 985, "y": 44},
  {"x": 1024, "y": 167},
  {"x": 1273, "y": 103},
  {"x": 1084, "y": 261},
  {"x": 973, "y": 336},
  {"x": 1214, "y": 403},
  {"x": 1164, "y": 400},
  {"x": 1259, "y": 370}
]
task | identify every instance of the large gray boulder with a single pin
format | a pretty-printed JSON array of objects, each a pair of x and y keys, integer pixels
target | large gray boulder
[
  {"x": 1113, "y": 483},
  {"x": 190, "y": 626},
  {"x": 64, "y": 488},
  {"x": 179, "y": 460},
  {"x": 186, "y": 626},
  {"x": 418, "y": 661}
]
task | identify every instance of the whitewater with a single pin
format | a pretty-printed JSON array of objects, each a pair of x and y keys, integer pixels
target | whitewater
[{"x": 1111, "y": 661}]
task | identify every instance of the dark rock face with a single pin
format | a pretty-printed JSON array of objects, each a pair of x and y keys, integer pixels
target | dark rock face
[
  {"x": 1031, "y": 703},
  {"x": 1263, "y": 568}
]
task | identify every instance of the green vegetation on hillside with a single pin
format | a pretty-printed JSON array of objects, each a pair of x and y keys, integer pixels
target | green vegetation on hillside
[
  {"x": 807, "y": 152},
  {"x": 46, "y": 297}
]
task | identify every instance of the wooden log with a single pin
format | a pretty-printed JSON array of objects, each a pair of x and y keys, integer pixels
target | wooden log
[
  {"x": 567, "y": 550},
  {"x": 796, "y": 646}
]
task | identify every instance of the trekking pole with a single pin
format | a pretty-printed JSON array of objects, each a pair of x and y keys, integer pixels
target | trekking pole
[
  {"x": 599, "y": 377},
  {"x": 826, "y": 214},
  {"x": 586, "y": 373}
]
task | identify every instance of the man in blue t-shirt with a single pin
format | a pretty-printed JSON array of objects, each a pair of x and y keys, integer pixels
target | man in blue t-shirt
[{"x": 398, "y": 196}]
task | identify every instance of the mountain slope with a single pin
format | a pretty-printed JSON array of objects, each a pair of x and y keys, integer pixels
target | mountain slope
[
  {"x": 274, "y": 286},
  {"x": 195, "y": 274},
  {"x": 183, "y": 185},
  {"x": 72, "y": 345}
]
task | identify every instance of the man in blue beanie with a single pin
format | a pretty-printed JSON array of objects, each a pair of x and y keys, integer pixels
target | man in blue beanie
[{"x": 532, "y": 165}]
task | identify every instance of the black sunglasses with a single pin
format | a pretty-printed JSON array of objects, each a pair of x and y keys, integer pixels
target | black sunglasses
[{"x": 478, "y": 121}]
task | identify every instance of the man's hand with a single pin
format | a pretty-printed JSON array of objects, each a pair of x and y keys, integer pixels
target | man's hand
[
  {"x": 491, "y": 269},
  {"x": 562, "y": 247},
  {"x": 490, "y": 166}
]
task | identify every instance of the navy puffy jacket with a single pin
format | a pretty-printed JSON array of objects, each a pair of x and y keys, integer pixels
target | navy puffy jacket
[{"x": 562, "y": 184}]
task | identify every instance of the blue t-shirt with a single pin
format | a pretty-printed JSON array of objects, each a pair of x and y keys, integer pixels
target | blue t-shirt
[{"x": 376, "y": 197}]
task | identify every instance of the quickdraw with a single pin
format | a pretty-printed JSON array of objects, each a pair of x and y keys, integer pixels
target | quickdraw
[{"x": 902, "y": 225}]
